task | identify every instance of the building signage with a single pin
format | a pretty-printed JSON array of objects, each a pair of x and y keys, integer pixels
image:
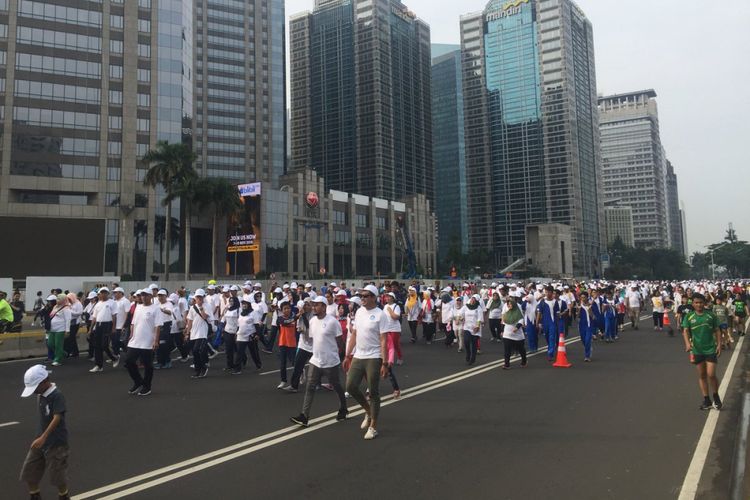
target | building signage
[
  {"x": 241, "y": 243},
  {"x": 508, "y": 9},
  {"x": 249, "y": 189}
]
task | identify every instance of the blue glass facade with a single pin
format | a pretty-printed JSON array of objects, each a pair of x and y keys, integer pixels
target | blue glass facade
[
  {"x": 449, "y": 151},
  {"x": 515, "y": 126}
]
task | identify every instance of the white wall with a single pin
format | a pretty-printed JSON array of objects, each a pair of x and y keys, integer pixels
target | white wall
[
  {"x": 47, "y": 283},
  {"x": 6, "y": 285}
]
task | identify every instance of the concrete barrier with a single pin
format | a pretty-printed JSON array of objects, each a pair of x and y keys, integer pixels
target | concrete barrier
[{"x": 29, "y": 345}]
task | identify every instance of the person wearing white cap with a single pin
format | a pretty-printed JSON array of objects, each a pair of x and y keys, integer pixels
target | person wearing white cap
[
  {"x": 427, "y": 316},
  {"x": 122, "y": 308},
  {"x": 199, "y": 322},
  {"x": 366, "y": 356},
  {"x": 304, "y": 344},
  {"x": 50, "y": 450},
  {"x": 473, "y": 319},
  {"x": 143, "y": 341},
  {"x": 166, "y": 333},
  {"x": 413, "y": 308},
  {"x": 88, "y": 308},
  {"x": 59, "y": 328},
  {"x": 213, "y": 300},
  {"x": 325, "y": 332},
  {"x": 104, "y": 315},
  {"x": 247, "y": 335},
  {"x": 270, "y": 339}
]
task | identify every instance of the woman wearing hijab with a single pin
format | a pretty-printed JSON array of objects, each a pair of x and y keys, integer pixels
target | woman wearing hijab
[
  {"x": 494, "y": 314},
  {"x": 412, "y": 309},
  {"x": 473, "y": 318},
  {"x": 59, "y": 322},
  {"x": 513, "y": 337},
  {"x": 426, "y": 317},
  {"x": 247, "y": 337},
  {"x": 71, "y": 341},
  {"x": 230, "y": 318}
]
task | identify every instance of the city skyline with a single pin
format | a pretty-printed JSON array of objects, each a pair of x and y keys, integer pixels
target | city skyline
[{"x": 619, "y": 36}]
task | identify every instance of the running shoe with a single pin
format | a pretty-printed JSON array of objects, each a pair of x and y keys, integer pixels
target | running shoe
[
  {"x": 281, "y": 385},
  {"x": 116, "y": 362},
  {"x": 144, "y": 392},
  {"x": 55, "y": 363},
  {"x": 371, "y": 434},
  {"x": 204, "y": 373},
  {"x": 717, "y": 402},
  {"x": 706, "y": 404},
  {"x": 135, "y": 389},
  {"x": 289, "y": 388},
  {"x": 237, "y": 372},
  {"x": 300, "y": 420},
  {"x": 341, "y": 415},
  {"x": 327, "y": 386},
  {"x": 96, "y": 369},
  {"x": 365, "y": 423}
]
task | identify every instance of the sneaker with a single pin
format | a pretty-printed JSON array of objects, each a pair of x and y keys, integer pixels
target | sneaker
[
  {"x": 267, "y": 351},
  {"x": 108, "y": 361},
  {"x": 341, "y": 415},
  {"x": 300, "y": 420},
  {"x": 281, "y": 385},
  {"x": 116, "y": 362},
  {"x": 460, "y": 350},
  {"x": 365, "y": 423},
  {"x": 347, "y": 395},
  {"x": 157, "y": 366},
  {"x": 586, "y": 360},
  {"x": 237, "y": 372},
  {"x": 328, "y": 387},
  {"x": 479, "y": 351},
  {"x": 144, "y": 392},
  {"x": 55, "y": 363},
  {"x": 524, "y": 365},
  {"x": 706, "y": 405},
  {"x": 506, "y": 367},
  {"x": 96, "y": 369},
  {"x": 135, "y": 389},
  {"x": 413, "y": 341},
  {"x": 371, "y": 434},
  {"x": 717, "y": 402},
  {"x": 204, "y": 373},
  {"x": 289, "y": 388},
  {"x": 183, "y": 360},
  {"x": 213, "y": 354},
  {"x": 192, "y": 366},
  {"x": 167, "y": 366}
]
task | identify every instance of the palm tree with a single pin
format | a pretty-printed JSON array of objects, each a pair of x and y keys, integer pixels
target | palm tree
[
  {"x": 170, "y": 166},
  {"x": 223, "y": 197}
]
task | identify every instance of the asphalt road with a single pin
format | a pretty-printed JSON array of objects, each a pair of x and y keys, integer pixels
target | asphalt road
[{"x": 624, "y": 426}]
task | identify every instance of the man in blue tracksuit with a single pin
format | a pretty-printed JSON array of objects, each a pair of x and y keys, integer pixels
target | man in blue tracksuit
[
  {"x": 610, "y": 317},
  {"x": 597, "y": 312},
  {"x": 528, "y": 307},
  {"x": 548, "y": 318},
  {"x": 586, "y": 325}
]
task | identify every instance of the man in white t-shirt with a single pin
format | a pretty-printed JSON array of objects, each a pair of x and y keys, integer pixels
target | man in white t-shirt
[
  {"x": 634, "y": 303},
  {"x": 327, "y": 342},
  {"x": 122, "y": 307},
  {"x": 104, "y": 316},
  {"x": 199, "y": 317},
  {"x": 144, "y": 339},
  {"x": 368, "y": 337}
]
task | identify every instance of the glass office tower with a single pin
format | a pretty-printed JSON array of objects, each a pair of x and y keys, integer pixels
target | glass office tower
[
  {"x": 532, "y": 139},
  {"x": 360, "y": 89}
]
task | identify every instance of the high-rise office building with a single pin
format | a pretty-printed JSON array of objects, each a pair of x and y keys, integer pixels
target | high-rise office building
[
  {"x": 89, "y": 87},
  {"x": 673, "y": 212},
  {"x": 240, "y": 98},
  {"x": 532, "y": 139},
  {"x": 619, "y": 223},
  {"x": 448, "y": 148},
  {"x": 360, "y": 92},
  {"x": 633, "y": 163}
]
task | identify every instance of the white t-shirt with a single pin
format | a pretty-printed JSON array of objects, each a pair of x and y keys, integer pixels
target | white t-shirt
[
  {"x": 472, "y": 319},
  {"x": 510, "y": 332},
  {"x": 369, "y": 325},
  {"x": 60, "y": 322},
  {"x": 167, "y": 311},
  {"x": 122, "y": 307},
  {"x": 392, "y": 325},
  {"x": 143, "y": 327},
  {"x": 413, "y": 313},
  {"x": 215, "y": 301},
  {"x": 634, "y": 299},
  {"x": 323, "y": 333},
  {"x": 104, "y": 310},
  {"x": 76, "y": 309},
  {"x": 231, "y": 320},
  {"x": 332, "y": 309},
  {"x": 427, "y": 316},
  {"x": 246, "y": 327},
  {"x": 199, "y": 328}
]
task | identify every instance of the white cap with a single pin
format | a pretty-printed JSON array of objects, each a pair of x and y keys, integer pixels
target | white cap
[
  {"x": 234, "y": 288},
  {"x": 246, "y": 298},
  {"x": 319, "y": 300},
  {"x": 333, "y": 283},
  {"x": 174, "y": 298},
  {"x": 211, "y": 287},
  {"x": 294, "y": 284},
  {"x": 199, "y": 293},
  {"x": 370, "y": 288},
  {"x": 285, "y": 286},
  {"x": 341, "y": 293},
  {"x": 225, "y": 289},
  {"x": 162, "y": 292},
  {"x": 247, "y": 286},
  {"x": 356, "y": 300},
  {"x": 391, "y": 294},
  {"x": 447, "y": 289},
  {"x": 52, "y": 297},
  {"x": 257, "y": 285},
  {"x": 308, "y": 285},
  {"x": 477, "y": 296},
  {"x": 145, "y": 291},
  {"x": 119, "y": 289},
  {"x": 104, "y": 289},
  {"x": 278, "y": 290},
  {"x": 32, "y": 378},
  {"x": 153, "y": 286},
  {"x": 91, "y": 295},
  {"x": 138, "y": 292}
]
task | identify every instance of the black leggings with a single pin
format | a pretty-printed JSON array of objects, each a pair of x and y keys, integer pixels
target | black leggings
[
  {"x": 300, "y": 360},
  {"x": 510, "y": 345},
  {"x": 70, "y": 344},
  {"x": 428, "y": 331},
  {"x": 230, "y": 343},
  {"x": 166, "y": 344},
  {"x": 252, "y": 346},
  {"x": 413, "y": 329},
  {"x": 495, "y": 328},
  {"x": 659, "y": 319},
  {"x": 200, "y": 354}
]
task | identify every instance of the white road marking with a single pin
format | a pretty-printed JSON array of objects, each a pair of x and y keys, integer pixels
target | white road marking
[
  {"x": 693, "y": 476},
  {"x": 8, "y": 424},
  {"x": 22, "y": 360},
  {"x": 258, "y": 443},
  {"x": 738, "y": 477}
]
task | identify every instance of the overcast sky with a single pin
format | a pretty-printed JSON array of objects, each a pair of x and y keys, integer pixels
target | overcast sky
[{"x": 696, "y": 55}]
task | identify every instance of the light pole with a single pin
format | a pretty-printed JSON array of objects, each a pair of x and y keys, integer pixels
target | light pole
[{"x": 713, "y": 266}]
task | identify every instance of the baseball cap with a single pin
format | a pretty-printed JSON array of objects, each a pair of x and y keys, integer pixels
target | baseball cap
[
  {"x": 308, "y": 285},
  {"x": 294, "y": 284},
  {"x": 234, "y": 288},
  {"x": 286, "y": 286},
  {"x": 104, "y": 289},
  {"x": 91, "y": 295},
  {"x": 32, "y": 378},
  {"x": 225, "y": 289},
  {"x": 370, "y": 288},
  {"x": 211, "y": 287},
  {"x": 356, "y": 300},
  {"x": 52, "y": 297},
  {"x": 119, "y": 289},
  {"x": 246, "y": 298},
  {"x": 341, "y": 293},
  {"x": 257, "y": 285},
  {"x": 247, "y": 286},
  {"x": 320, "y": 300},
  {"x": 153, "y": 286},
  {"x": 278, "y": 290},
  {"x": 200, "y": 293},
  {"x": 391, "y": 294},
  {"x": 145, "y": 291},
  {"x": 162, "y": 292}
]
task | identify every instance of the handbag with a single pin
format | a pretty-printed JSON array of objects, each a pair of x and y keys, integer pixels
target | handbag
[{"x": 210, "y": 330}]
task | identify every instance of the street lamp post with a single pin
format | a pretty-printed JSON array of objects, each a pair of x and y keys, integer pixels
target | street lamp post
[{"x": 713, "y": 266}]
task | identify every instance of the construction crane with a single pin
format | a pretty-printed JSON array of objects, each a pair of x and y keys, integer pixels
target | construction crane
[{"x": 402, "y": 230}]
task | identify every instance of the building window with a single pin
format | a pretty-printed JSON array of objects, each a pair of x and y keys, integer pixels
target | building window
[
  {"x": 115, "y": 71},
  {"x": 339, "y": 217},
  {"x": 381, "y": 222},
  {"x": 116, "y": 21},
  {"x": 144, "y": 100},
  {"x": 361, "y": 220}
]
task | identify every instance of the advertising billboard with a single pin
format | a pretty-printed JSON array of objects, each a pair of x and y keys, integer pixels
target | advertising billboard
[{"x": 244, "y": 234}]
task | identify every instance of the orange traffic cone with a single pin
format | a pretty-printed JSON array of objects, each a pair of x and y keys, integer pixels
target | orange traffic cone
[
  {"x": 562, "y": 357},
  {"x": 666, "y": 319}
]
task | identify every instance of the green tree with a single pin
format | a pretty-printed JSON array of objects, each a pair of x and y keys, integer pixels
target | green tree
[
  {"x": 171, "y": 167},
  {"x": 223, "y": 198}
]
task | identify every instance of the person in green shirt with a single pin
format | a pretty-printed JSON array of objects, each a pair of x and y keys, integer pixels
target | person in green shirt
[
  {"x": 6, "y": 313},
  {"x": 702, "y": 335}
]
